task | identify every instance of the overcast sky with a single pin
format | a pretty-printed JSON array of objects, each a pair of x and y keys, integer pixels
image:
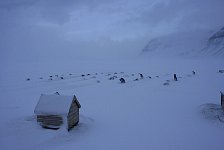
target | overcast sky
[{"x": 37, "y": 28}]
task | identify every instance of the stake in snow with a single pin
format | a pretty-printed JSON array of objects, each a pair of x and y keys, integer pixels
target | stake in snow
[
  {"x": 222, "y": 100},
  {"x": 55, "y": 110}
]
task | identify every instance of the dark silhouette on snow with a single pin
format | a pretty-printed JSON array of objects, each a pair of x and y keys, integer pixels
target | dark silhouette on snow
[
  {"x": 122, "y": 80},
  {"x": 57, "y": 93},
  {"x": 193, "y": 72},
  {"x": 111, "y": 78},
  {"x": 141, "y": 76},
  {"x": 222, "y": 100},
  {"x": 166, "y": 83},
  {"x": 175, "y": 77},
  {"x": 221, "y": 71}
]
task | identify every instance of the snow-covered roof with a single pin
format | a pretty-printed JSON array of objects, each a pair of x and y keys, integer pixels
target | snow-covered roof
[{"x": 54, "y": 104}]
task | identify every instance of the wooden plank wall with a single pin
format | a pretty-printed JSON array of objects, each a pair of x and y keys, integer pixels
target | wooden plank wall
[
  {"x": 50, "y": 120},
  {"x": 73, "y": 115}
]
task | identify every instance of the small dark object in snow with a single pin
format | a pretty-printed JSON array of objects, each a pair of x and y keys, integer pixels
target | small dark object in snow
[
  {"x": 70, "y": 74},
  {"x": 50, "y": 79},
  {"x": 50, "y": 76},
  {"x": 122, "y": 80},
  {"x": 96, "y": 73},
  {"x": 175, "y": 77},
  {"x": 88, "y": 74},
  {"x": 83, "y": 75},
  {"x": 136, "y": 79},
  {"x": 98, "y": 81},
  {"x": 221, "y": 71},
  {"x": 57, "y": 93},
  {"x": 141, "y": 76},
  {"x": 62, "y": 78},
  {"x": 149, "y": 77},
  {"x": 193, "y": 72},
  {"x": 166, "y": 83},
  {"x": 157, "y": 76},
  {"x": 28, "y": 79},
  {"x": 111, "y": 78},
  {"x": 41, "y": 78},
  {"x": 115, "y": 73}
]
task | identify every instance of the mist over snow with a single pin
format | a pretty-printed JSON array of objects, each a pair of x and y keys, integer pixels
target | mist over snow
[
  {"x": 38, "y": 30},
  {"x": 84, "y": 48}
]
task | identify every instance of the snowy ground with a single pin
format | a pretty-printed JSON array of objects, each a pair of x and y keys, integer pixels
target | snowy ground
[{"x": 142, "y": 114}]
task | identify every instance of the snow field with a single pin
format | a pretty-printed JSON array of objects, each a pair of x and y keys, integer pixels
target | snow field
[{"x": 142, "y": 114}]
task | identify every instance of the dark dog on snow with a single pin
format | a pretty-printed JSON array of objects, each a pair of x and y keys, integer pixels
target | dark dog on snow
[
  {"x": 175, "y": 77},
  {"x": 122, "y": 80}
]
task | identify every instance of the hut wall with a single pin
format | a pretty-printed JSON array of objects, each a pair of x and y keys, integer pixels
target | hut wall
[
  {"x": 73, "y": 115},
  {"x": 50, "y": 120}
]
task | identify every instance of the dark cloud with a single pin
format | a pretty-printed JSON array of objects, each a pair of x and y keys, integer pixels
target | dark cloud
[
  {"x": 83, "y": 26},
  {"x": 184, "y": 14}
]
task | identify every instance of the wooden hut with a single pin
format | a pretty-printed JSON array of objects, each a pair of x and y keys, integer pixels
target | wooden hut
[
  {"x": 55, "y": 110},
  {"x": 222, "y": 100}
]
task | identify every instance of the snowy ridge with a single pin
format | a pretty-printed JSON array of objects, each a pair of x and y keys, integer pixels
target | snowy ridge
[
  {"x": 215, "y": 44},
  {"x": 197, "y": 43}
]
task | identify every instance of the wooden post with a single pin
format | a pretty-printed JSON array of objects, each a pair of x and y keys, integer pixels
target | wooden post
[{"x": 222, "y": 100}]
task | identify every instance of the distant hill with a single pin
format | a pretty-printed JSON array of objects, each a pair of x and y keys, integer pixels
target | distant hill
[
  {"x": 193, "y": 43},
  {"x": 215, "y": 44}
]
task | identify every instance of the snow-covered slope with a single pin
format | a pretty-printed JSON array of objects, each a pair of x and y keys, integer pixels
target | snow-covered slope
[
  {"x": 215, "y": 44},
  {"x": 189, "y": 44}
]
